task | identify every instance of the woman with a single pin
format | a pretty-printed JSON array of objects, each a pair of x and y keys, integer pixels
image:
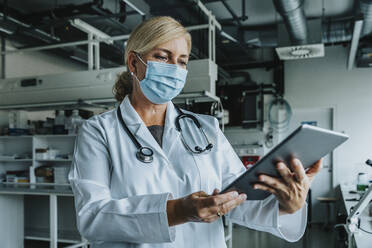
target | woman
[{"x": 172, "y": 201}]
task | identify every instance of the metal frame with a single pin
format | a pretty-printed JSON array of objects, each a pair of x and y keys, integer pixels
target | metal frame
[
  {"x": 135, "y": 8},
  {"x": 358, "y": 26},
  {"x": 212, "y": 25},
  {"x": 83, "y": 244},
  {"x": 53, "y": 221},
  {"x": 95, "y": 37},
  {"x": 94, "y": 41},
  {"x": 93, "y": 46}
]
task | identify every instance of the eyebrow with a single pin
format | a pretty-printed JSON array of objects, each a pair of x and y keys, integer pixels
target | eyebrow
[{"x": 170, "y": 52}]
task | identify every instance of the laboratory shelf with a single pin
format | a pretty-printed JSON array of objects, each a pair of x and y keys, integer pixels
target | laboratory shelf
[
  {"x": 16, "y": 137},
  {"x": 40, "y": 198},
  {"x": 42, "y": 234},
  {"x": 201, "y": 96},
  {"x": 54, "y": 160},
  {"x": 36, "y": 188},
  {"x": 55, "y": 135},
  {"x": 15, "y": 160}
]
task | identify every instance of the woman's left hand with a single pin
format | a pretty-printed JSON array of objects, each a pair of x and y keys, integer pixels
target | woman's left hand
[{"x": 292, "y": 188}]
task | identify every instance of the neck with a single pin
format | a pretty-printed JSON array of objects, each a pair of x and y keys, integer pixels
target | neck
[{"x": 151, "y": 114}]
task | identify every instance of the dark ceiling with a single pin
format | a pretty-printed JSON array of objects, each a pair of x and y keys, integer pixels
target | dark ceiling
[{"x": 43, "y": 22}]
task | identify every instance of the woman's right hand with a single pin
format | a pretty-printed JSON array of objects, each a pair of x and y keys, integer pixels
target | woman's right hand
[{"x": 201, "y": 207}]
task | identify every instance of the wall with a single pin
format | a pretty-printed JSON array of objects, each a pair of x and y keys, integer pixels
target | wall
[
  {"x": 325, "y": 82},
  {"x": 35, "y": 63}
]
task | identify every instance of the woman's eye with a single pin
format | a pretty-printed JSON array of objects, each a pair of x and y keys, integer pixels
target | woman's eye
[
  {"x": 183, "y": 63},
  {"x": 160, "y": 57}
]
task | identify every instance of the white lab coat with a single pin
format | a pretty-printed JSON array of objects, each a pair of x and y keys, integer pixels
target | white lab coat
[{"x": 121, "y": 202}]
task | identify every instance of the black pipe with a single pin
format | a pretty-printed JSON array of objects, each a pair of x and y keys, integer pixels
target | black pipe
[
  {"x": 123, "y": 10},
  {"x": 244, "y": 14},
  {"x": 232, "y": 12},
  {"x": 262, "y": 106},
  {"x": 3, "y": 42}
]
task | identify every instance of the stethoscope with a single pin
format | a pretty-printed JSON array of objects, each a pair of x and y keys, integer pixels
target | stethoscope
[{"x": 145, "y": 154}]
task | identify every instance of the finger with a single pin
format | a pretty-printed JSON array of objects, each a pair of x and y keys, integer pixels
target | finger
[
  {"x": 230, "y": 205},
  {"x": 315, "y": 168},
  {"x": 273, "y": 182},
  {"x": 216, "y": 191},
  {"x": 266, "y": 188},
  {"x": 211, "y": 219},
  {"x": 227, "y": 206},
  {"x": 219, "y": 199},
  {"x": 298, "y": 169},
  {"x": 285, "y": 172},
  {"x": 200, "y": 194}
]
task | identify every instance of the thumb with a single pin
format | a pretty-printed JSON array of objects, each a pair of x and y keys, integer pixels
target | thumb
[{"x": 314, "y": 169}]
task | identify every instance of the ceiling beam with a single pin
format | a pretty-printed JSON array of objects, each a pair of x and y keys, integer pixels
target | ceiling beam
[{"x": 358, "y": 25}]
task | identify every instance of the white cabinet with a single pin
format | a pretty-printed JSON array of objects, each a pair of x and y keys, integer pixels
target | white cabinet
[
  {"x": 64, "y": 144},
  {"x": 46, "y": 215},
  {"x": 18, "y": 153}
]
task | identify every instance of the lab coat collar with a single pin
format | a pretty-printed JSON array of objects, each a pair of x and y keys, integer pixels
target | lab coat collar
[
  {"x": 131, "y": 116},
  {"x": 138, "y": 127}
]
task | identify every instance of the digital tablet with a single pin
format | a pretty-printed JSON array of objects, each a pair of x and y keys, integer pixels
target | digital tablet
[{"x": 307, "y": 143}]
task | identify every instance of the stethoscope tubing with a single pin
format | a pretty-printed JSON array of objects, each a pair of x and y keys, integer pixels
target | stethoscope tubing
[{"x": 148, "y": 158}]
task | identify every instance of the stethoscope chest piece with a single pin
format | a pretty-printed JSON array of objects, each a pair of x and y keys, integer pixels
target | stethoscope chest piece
[{"x": 145, "y": 155}]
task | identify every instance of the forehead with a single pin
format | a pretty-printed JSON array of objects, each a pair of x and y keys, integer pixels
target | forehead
[{"x": 177, "y": 46}]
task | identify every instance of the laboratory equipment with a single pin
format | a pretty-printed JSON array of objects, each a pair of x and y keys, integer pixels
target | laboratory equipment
[
  {"x": 74, "y": 122},
  {"x": 362, "y": 182},
  {"x": 353, "y": 220},
  {"x": 59, "y": 123}
]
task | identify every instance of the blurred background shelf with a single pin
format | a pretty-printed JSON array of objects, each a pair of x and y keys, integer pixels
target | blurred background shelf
[{"x": 42, "y": 234}]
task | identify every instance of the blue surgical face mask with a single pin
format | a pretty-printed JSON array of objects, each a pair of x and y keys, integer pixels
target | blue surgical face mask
[{"x": 162, "y": 82}]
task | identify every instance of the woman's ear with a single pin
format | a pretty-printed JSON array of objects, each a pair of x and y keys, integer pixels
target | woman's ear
[{"x": 132, "y": 63}]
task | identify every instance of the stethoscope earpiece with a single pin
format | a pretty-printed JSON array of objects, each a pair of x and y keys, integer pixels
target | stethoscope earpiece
[{"x": 197, "y": 148}]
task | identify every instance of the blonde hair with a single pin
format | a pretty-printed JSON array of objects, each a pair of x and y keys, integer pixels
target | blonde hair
[{"x": 145, "y": 37}]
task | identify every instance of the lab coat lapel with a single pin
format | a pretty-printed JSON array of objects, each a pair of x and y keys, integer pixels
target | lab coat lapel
[
  {"x": 139, "y": 129},
  {"x": 170, "y": 135}
]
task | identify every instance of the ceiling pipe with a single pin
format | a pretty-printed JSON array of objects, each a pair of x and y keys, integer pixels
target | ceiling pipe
[
  {"x": 232, "y": 12},
  {"x": 332, "y": 32},
  {"x": 366, "y": 10},
  {"x": 337, "y": 31},
  {"x": 293, "y": 15}
]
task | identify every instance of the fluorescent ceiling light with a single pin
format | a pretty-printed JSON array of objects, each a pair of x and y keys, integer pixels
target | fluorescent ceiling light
[
  {"x": 6, "y": 31},
  {"x": 134, "y": 7},
  {"x": 87, "y": 28},
  {"x": 79, "y": 59},
  {"x": 227, "y": 36},
  {"x": 15, "y": 20}
]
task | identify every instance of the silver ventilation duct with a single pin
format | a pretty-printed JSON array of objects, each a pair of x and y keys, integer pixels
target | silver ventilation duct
[
  {"x": 336, "y": 32},
  {"x": 293, "y": 15},
  {"x": 331, "y": 32},
  {"x": 366, "y": 9}
]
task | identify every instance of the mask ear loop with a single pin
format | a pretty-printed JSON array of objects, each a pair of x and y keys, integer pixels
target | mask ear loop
[{"x": 139, "y": 57}]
